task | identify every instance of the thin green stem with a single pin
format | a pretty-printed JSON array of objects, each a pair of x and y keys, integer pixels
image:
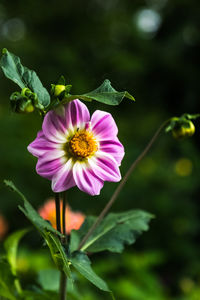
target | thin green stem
[
  {"x": 63, "y": 286},
  {"x": 63, "y": 281},
  {"x": 63, "y": 277},
  {"x": 121, "y": 185},
  {"x": 63, "y": 213},
  {"x": 58, "y": 223}
]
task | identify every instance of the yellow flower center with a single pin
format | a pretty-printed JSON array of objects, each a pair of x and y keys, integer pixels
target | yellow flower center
[{"x": 83, "y": 144}]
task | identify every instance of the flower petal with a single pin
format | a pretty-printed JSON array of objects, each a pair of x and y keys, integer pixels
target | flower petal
[
  {"x": 103, "y": 125},
  {"x": 54, "y": 127},
  {"x": 77, "y": 114},
  {"x": 40, "y": 145},
  {"x": 86, "y": 180},
  {"x": 49, "y": 164},
  {"x": 105, "y": 167},
  {"x": 63, "y": 179},
  {"x": 114, "y": 148}
]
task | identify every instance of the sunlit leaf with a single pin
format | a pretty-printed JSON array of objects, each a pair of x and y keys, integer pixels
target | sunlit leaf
[
  {"x": 30, "y": 212},
  {"x": 116, "y": 230},
  {"x": 7, "y": 288},
  {"x": 46, "y": 230},
  {"x": 82, "y": 264},
  {"x": 11, "y": 246},
  {"x": 105, "y": 93},
  {"x": 191, "y": 117},
  {"x": 23, "y": 77},
  {"x": 49, "y": 280},
  {"x": 39, "y": 295}
]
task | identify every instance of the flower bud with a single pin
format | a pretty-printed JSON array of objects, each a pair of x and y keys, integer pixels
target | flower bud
[
  {"x": 21, "y": 103},
  {"x": 184, "y": 130},
  {"x": 27, "y": 107},
  {"x": 58, "y": 89}
]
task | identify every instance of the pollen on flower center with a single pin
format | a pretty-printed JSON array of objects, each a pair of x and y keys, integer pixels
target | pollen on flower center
[{"x": 83, "y": 144}]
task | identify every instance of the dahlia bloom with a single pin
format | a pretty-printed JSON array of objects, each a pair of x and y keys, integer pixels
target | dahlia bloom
[
  {"x": 74, "y": 150},
  {"x": 74, "y": 220}
]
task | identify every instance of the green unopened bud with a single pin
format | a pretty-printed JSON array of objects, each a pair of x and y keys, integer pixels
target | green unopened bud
[
  {"x": 58, "y": 89},
  {"x": 185, "y": 130},
  {"x": 20, "y": 103},
  {"x": 27, "y": 107}
]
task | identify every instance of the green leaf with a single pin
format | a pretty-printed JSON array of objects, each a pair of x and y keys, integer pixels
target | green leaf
[
  {"x": 58, "y": 252},
  {"x": 172, "y": 123},
  {"x": 82, "y": 264},
  {"x": 49, "y": 279},
  {"x": 31, "y": 213},
  {"x": 46, "y": 230},
  {"x": 11, "y": 246},
  {"x": 105, "y": 93},
  {"x": 116, "y": 230},
  {"x": 38, "y": 294},
  {"x": 23, "y": 77},
  {"x": 7, "y": 288},
  {"x": 61, "y": 80},
  {"x": 191, "y": 117}
]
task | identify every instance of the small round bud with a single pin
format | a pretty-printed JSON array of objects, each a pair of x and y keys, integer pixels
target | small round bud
[
  {"x": 58, "y": 89},
  {"x": 185, "y": 130},
  {"x": 24, "y": 106},
  {"x": 28, "y": 107}
]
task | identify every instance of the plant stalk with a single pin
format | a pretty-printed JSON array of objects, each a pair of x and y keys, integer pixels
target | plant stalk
[
  {"x": 63, "y": 281},
  {"x": 63, "y": 216},
  {"x": 121, "y": 185},
  {"x": 63, "y": 286},
  {"x": 57, "y": 201}
]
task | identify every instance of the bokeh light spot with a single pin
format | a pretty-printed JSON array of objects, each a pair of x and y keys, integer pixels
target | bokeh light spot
[
  {"x": 183, "y": 167},
  {"x": 14, "y": 29},
  {"x": 148, "y": 20}
]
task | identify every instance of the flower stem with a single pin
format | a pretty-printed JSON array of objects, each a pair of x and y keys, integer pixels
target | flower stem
[
  {"x": 121, "y": 185},
  {"x": 57, "y": 200},
  {"x": 63, "y": 277},
  {"x": 63, "y": 214},
  {"x": 63, "y": 281},
  {"x": 63, "y": 286}
]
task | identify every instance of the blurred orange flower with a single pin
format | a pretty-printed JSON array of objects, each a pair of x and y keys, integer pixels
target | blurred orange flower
[
  {"x": 74, "y": 220},
  {"x": 3, "y": 227}
]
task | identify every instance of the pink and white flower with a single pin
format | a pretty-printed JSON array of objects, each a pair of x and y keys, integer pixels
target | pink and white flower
[{"x": 74, "y": 150}]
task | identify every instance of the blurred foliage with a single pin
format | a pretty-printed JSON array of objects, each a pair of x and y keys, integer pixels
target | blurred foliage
[{"x": 150, "y": 48}]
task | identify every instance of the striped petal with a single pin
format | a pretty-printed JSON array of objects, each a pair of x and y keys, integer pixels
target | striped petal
[
  {"x": 49, "y": 164},
  {"x": 54, "y": 128},
  {"x": 105, "y": 167},
  {"x": 114, "y": 148},
  {"x": 77, "y": 115},
  {"x": 86, "y": 180},
  {"x": 41, "y": 145},
  {"x": 63, "y": 179},
  {"x": 103, "y": 125}
]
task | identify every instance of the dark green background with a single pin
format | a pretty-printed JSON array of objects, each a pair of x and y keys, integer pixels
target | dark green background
[{"x": 87, "y": 42}]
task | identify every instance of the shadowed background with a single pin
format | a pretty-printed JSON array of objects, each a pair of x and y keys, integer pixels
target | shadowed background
[{"x": 150, "y": 48}]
